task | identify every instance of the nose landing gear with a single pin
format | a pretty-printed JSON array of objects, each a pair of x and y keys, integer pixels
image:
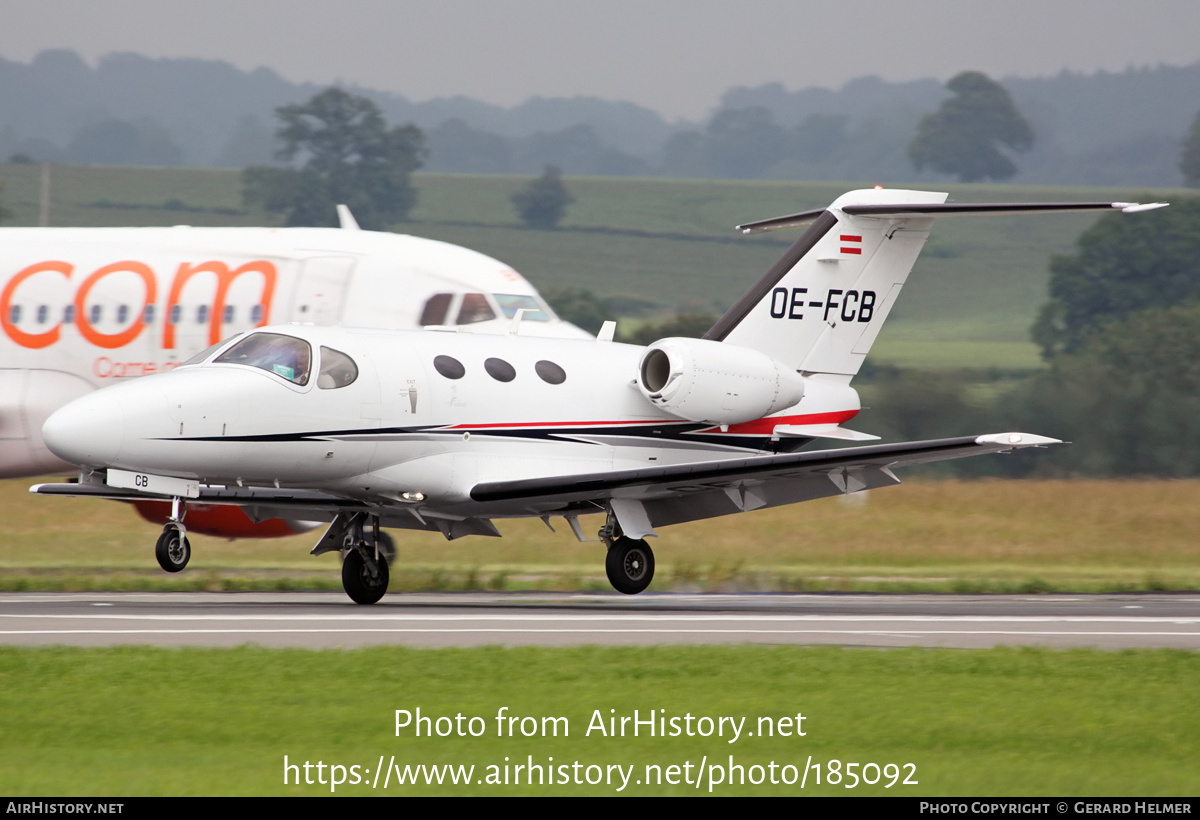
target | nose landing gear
[{"x": 173, "y": 550}]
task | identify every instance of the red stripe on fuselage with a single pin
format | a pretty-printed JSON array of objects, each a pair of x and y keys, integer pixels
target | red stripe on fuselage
[
  {"x": 763, "y": 427},
  {"x": 510, "y": 424}
]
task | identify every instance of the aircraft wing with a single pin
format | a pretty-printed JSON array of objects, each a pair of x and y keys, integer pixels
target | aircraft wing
[
  {"x": 686, "y": 492},
  {"x": 643, "y": 498}
]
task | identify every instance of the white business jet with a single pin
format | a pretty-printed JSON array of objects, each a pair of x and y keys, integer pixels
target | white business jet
[
  {"x": 84, "y": 307},
  {"x": 448, "y": 431}
]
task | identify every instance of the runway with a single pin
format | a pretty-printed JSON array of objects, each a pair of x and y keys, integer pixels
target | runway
[{"x": 327, "y": 620}]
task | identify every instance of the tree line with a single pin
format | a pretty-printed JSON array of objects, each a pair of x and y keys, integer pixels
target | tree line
[{"x": 1111, "y": 129}]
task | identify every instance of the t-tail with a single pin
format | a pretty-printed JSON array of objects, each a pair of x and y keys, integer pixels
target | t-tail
[{"x": 819, "y": 308}]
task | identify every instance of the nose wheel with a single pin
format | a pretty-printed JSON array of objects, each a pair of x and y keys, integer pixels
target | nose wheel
[
  {"x": 630, "y": 565},
  {"x": 173, "y": 549}
]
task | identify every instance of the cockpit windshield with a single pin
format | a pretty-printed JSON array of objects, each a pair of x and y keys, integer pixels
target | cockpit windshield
[
  {"x": 203, "y": 354},
  {"x": 285, "y": 356},
  {"x": 510, "y": 303}
]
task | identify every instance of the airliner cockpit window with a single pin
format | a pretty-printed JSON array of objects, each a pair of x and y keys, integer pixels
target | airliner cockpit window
[
  {"x": 510, "y": 303},
  {"x": 337, "y": 369},
  {"x": 285, "y": 356},
  {"x": 475, "y": 308}
]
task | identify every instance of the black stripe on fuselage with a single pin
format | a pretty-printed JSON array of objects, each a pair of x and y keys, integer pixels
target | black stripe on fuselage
[
  {"x": 666, "y": 433},
  {"x": 807, "y": 241}
]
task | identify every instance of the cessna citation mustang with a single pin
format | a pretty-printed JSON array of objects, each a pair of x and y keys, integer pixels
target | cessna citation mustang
[
  {"x": 81, "y": 308},
  {"x": 448, "y": 431}
]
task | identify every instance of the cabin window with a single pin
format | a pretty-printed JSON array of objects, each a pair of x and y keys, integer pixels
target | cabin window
[
  {"x": 148, "y": 314},
  {"x": 94, "y": 314},
  {"x": 500, "y": 370},
  {"x": 510, "y": 303},
  {"x": 202, "y": 314},
  {"x": 337, "y": 369},
  {"x": 176, "y": 313},
  {"x": 122, "y": 313},
  {"x": 285, "y": 356},
  {"x": 475, "y": 308},
  {"x": 227, "y": 314},
  {"x": 549, "y": 372},
  {"x": 436, "y": 309},
  {"x": 69, "y": 314},
  {"x": 14, "y": 314},
  {"x": 256, "y": 314},
  {"x": 43, "y": 314},
  {"x": 449, "y": 367}
]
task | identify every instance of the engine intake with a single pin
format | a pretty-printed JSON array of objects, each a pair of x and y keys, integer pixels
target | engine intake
[{"x": 716, "y": 383}]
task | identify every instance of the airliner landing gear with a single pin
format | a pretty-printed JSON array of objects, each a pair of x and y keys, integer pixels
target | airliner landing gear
[
  {"x": 364, "y": 577},
  {"x": 630, "y": 565},
  {"x": 173, "y": 549}
]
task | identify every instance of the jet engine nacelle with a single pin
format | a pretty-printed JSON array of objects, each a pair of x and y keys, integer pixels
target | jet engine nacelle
[{"x": 714, "y": 382}]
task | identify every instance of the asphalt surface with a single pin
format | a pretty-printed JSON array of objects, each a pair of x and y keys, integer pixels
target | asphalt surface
[{"x": 325, "y": 620}]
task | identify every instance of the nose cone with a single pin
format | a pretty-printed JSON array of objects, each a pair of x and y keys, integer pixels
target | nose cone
[
  {"x": 88, "y": 431},
  {"x": 103, "y": 429}
]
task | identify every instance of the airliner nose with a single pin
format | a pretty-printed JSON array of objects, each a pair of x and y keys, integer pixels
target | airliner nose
[{"x": 88, "y": 431}]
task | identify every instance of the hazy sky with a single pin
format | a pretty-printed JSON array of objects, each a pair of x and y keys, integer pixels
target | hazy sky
[{"x": 676, "y": 56}]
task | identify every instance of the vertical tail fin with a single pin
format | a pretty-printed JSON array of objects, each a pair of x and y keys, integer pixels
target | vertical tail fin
[{"x": 820, "y": 307}]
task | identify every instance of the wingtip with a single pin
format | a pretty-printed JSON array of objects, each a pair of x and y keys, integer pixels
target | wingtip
[
  {"x": 1137, "y": 207},
  {"x": 1017, "y": 440}
]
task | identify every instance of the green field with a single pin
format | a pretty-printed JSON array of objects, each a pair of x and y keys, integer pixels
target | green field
[
  {"x": 978, "y": 536},
  {"x": 139, "y": 721},
  {"x": 973, "y": 295}
]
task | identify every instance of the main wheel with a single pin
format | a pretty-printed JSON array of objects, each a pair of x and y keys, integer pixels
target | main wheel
[
  {"x": 630, "y": 565},
  {"x": 172, "y": 550},
  {"x": 362, "y": 584}
]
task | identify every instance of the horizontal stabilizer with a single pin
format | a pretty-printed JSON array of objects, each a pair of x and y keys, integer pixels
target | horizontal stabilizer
[{"x": 946, "y": 209}]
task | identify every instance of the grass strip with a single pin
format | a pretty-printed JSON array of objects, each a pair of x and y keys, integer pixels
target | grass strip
[{"x": 147, "y": 721}]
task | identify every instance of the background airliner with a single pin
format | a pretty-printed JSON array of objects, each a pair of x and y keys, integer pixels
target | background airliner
[{"x": 81, "y": 308}]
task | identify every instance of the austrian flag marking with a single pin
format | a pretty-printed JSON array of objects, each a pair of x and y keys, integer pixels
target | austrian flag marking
[{"x": 855, "y": 249}]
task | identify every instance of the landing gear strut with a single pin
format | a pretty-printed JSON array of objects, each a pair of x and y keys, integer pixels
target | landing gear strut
[{"x": 173, "y": 550}]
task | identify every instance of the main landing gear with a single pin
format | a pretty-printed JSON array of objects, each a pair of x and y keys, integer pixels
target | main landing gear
[
  {"x": 630, "y": 561},
  {"x": 173, "y": 549},
  {"x": 366, "y": 552},
  {"x": 364, "y": 577},
  {"x": 630, "y": 565}
]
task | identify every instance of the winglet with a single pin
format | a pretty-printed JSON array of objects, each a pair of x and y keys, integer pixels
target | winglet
[
  {"x": 1134, "y": 207},
  {"x": 346, "y": 220},
  {"x": 1017, "y": 440}
]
